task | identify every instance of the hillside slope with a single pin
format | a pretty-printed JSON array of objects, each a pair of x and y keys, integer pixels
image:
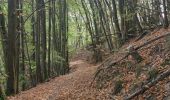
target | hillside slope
[{"x": 127, "y": 75}]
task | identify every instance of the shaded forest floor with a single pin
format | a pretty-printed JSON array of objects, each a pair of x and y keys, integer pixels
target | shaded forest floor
[
  {"x": 77, "y": 85},
  {"x": 74, "y": 86}
]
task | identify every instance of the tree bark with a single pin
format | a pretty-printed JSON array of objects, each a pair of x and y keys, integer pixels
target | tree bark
[
  {"x": 166, "y": 23},
  {"x": 12, "y": 50}
]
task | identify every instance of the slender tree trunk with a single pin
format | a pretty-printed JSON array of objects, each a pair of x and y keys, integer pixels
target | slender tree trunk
[
  {"x": 118, "y": 32},
  {"x": 122, "y": 20},
  {"x": 49, "y": 39},
  {"x": 43, "y": 39},
  {"x": 166, "y": 23},
  {"x": 37, "y": 45},
  {"x": 33, "y": 26}
]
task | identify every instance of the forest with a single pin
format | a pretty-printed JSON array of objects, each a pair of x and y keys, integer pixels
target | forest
[{"x": 84, "y": 50}]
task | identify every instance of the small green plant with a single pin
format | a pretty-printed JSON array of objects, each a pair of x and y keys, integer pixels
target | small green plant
[
  {"x": 118, "y": 87},
  {"x": 152, "y": 74},
  {"x": 2, "y": 80},
  {"x": 133, "y": 88},
  {"x": 167, "y": 45},
  {"x": 166, "y": 62},
  {"x": 138, "y": 70},
  {"x": 129, "y": 65},
  {"x": 2, "y": 93}
]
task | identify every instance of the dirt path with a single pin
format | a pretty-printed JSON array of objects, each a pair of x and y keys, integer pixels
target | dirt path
[{"x": 73, "y": 86}]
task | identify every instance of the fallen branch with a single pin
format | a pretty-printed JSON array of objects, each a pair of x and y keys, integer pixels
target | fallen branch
[
  {"x": 147, "y": 32},
  {"x": 149, "y": 85},
  {"x": 142, "y": 35},
  {"x": 152, "y": 40},
  {"x": 101, "y": 68},
  {"x": 112, "y": 63},
  {"x": 138, "y": 47}
]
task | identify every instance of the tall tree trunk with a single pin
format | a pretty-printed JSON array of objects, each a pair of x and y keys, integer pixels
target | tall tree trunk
[
  {"x": 33, "y": 26},
  {"x": 4, "y": 47},
  {"x": 43, "y": 39},
  {"x": 49, "y": 38},
  {"x": 166, "y": 23},
  {"x": 122, "y": 20},
  {"x": 115, "y": 17},
  {"x": 22, "y": 47},
  {"x": 136, "y": 20},
  {"x": 11, "y": 65},
  {"x": 37, "y": 45}
]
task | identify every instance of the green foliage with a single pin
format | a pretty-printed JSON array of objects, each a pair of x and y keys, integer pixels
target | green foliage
[
  {"x": 3, "y": 7},
  {"x": 2, "y": 93},
  {"x": 31, "y": 64},
  {"x": 129, "y": 65},
  {"x": 134, "y": 86},
  {"x": 3, "y": 77},
  {"x": 138, "y": 70},
  {"x": 167, "y": 45},
  {"x": 57, "y": 58},
  {"x": 129, "y": 16},
  {"x": 152, "y": 74},
  {"x": 166, "y": 62},
  {"x": 118, "y": 86}
]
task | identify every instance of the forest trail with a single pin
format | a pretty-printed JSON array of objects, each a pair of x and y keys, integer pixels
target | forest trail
[
  {"x": 48, "y": 47},
  {"x": 77, "y": 84},
  {"x": 72, "y": 86}
]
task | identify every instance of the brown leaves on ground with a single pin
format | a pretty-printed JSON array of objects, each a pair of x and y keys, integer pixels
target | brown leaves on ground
[
  {"x": 73, "y": 86},
  {"x": 77, "y": 85},
  {"x": 154, "y": 55}
]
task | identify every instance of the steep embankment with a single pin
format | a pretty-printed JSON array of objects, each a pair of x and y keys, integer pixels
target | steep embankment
[{"x": 127, "y": 76}]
